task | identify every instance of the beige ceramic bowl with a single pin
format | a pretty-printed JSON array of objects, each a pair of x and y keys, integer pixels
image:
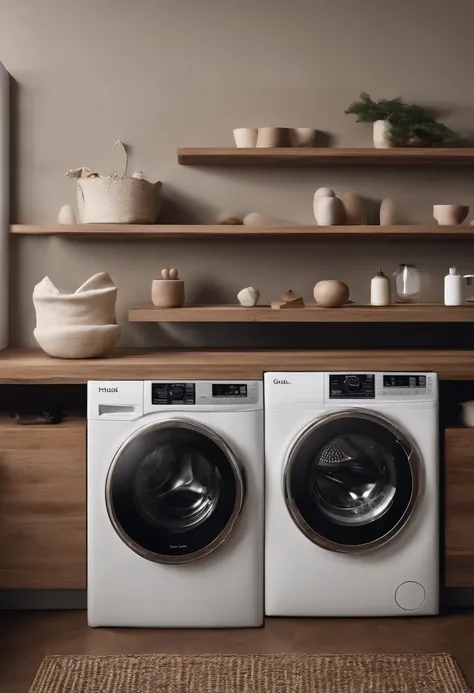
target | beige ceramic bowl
[{"x": 450, "y": 215}]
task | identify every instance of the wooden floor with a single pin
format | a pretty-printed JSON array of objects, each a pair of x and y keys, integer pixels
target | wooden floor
[{"x": 27, "y": 637}]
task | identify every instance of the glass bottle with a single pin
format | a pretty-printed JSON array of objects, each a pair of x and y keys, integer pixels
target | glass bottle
[{"x": 407, "y": 281}]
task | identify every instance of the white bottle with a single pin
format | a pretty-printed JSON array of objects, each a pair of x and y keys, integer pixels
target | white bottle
[
  {"x": 453, "y": 288},
  {"x": 380, "y": 290}
]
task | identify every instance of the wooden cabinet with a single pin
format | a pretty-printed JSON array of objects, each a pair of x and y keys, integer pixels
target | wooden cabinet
[
  {"x": 459, "y": 507},
  {"x": 42, "y": 505}
]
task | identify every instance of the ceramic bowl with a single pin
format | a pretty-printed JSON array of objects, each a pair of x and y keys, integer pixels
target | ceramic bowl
[{"x": 450, "y": 215}]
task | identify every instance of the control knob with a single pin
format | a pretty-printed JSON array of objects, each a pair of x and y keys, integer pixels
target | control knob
[
  {"x": 352, "y": 384},
  {"x": 176, "y": 392}
]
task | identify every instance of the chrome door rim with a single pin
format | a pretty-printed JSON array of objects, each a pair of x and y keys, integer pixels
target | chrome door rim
[
  {"x": 238, "y": 505},
  {"x": 414, "y": 460}
]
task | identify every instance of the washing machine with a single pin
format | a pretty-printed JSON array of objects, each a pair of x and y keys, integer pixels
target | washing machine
[
  {"x": 351, "y": 494},
  {"x": 175, "y": 503}
]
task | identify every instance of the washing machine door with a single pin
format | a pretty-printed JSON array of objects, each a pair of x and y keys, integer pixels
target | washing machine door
[
  {"x": 351, "y": 481},
  {"x": 174, "y": 491}
]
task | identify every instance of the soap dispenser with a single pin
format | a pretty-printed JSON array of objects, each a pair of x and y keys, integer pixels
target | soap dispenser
[{"x": 453, "y": 288}]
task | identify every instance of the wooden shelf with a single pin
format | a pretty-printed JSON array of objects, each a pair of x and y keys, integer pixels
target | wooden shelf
[
  {"x": 403, "y": 156},
  {"x": 33, "y": 366},
  {"x": 218, "y": 232},
  {"x": 350, "y": 313}
]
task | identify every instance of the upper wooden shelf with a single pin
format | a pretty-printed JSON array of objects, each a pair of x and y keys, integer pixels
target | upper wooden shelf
[
  {"x": 403, "y": 156},
  {"x": 33, "y": 366},
  {"x": 351, "y": 313},
  {"x": 215, "y": 231}
]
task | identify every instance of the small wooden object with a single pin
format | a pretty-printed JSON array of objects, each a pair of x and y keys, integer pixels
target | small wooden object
[
  {"x": 289, "y": 300},
  {"x": 168, "y": 292}
]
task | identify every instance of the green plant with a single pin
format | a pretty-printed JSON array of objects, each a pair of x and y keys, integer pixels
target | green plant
[
  {"x": 368, "y": 111},
  {"x": 429, "y": 131},
  {"x": 408, "y": 122}
]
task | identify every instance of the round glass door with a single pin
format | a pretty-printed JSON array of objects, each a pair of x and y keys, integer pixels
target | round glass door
[
  {"x": 174, "y": 492},
  {"x": 351, "y": 480}
]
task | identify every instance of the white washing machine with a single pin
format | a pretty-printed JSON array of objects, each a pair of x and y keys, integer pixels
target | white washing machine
[
  {"x": 175, "y": 504},
  {"x": 351, "y": 494}
]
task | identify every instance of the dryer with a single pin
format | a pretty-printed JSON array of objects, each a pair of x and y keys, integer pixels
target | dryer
[
  {"x": 351, "y": 494},
  {"x": 175, "y": 503}
]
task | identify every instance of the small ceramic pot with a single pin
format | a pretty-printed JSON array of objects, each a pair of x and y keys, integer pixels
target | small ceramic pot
[
  {"x": 245, "y": 137},
  {"x": 302, "y": 137},
  {"x": 450, "y": 215},
  {"x": 380, "y": 135},
  {"x": 331, "y": 293},
  {"x": 167, "y": 293},
  {"x": 273, "y": 137}
]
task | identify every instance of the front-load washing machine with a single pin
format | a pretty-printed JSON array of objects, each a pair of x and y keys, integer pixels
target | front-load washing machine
[
  {"x": 175, "y": 478},
  {"x": 351, "y": 494}
]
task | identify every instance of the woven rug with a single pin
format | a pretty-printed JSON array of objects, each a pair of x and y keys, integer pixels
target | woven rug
[{"x": 288, "y": 673}]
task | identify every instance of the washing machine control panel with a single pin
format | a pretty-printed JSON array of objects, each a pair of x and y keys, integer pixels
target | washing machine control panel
[
  {"x": 219, "y": 393},
  {"x": 173, "y": 393},
  {"x": 352, "y": 386}
]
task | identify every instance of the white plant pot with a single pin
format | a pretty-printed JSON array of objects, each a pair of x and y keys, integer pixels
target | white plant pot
[
  {"x": 380, "y": 135},
  {"x": 245, "y": 138}
]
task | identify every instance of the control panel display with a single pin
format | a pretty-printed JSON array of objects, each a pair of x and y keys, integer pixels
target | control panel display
[
  {"x": 352, "y": 386},
  {"x": 173, "y": 393},
  {"x": 229, "y": 390},
  {"x": 404, "y": 381}
]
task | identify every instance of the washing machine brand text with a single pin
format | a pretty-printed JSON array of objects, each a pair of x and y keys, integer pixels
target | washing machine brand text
[
  {"x": 277, "y": 381},
  {"x": 108, "y": 389}
]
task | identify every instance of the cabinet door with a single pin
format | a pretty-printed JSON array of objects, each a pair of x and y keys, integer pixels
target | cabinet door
[
  {"x": 42, "y": 505},
  {"x": 459, "y": 507}
]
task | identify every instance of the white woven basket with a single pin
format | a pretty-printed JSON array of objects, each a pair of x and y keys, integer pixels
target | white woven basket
[{"x": 118, "y": 199}]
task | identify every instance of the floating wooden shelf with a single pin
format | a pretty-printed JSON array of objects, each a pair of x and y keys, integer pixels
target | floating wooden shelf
[
  {"x": 351, "y": 313},
  {"x": 33, "y": 366},
  {"x": 403, "y": 156},
  {"x": 217, "y": 232}
]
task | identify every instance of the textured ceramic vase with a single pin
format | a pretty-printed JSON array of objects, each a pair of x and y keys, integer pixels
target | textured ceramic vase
[
  {"x": 450, "y": 215},
  {"x": 388, "y": 216},
  {"x": 246, "y": 137},
  {"x": 328, "y": 211},
  {"x": 354, "y": 211},
  {"x": 380, "y": 135}
]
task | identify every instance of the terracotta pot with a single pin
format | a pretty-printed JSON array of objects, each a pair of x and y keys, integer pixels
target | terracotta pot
[
  {"x": 167, "y": 293},
  {"x": 418, "y": 142},
  {"x": 273, "y": 137}
]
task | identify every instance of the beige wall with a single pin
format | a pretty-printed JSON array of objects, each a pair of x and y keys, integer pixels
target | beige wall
[{"x": 159, "y": 74}]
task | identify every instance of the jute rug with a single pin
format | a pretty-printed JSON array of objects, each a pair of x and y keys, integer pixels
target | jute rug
[{"x": 289, "y": 673}]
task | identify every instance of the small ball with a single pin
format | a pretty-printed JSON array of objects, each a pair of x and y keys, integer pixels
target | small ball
[
  {"x": 165, "y": 274},
  {"x": 173, "y": 273}
]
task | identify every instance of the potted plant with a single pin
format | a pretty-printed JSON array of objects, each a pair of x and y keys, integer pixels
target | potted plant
[{"x": 399, "y": 124}]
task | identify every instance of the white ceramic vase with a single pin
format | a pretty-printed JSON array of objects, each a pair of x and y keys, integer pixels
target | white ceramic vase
[
  {"x": 380, "y": 135},
  {"x": 329, "y": 211}
]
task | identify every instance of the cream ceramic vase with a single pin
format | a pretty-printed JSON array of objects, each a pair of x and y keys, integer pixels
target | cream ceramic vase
[
  {"x": 328, "y": 211},
  {"x": 380, "y": 135}
]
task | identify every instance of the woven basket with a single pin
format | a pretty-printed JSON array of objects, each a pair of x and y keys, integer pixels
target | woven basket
[{"x": 118, "y": 199}]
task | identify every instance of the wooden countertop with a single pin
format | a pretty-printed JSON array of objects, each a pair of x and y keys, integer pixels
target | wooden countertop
[{"x": 32, "y": 366}]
